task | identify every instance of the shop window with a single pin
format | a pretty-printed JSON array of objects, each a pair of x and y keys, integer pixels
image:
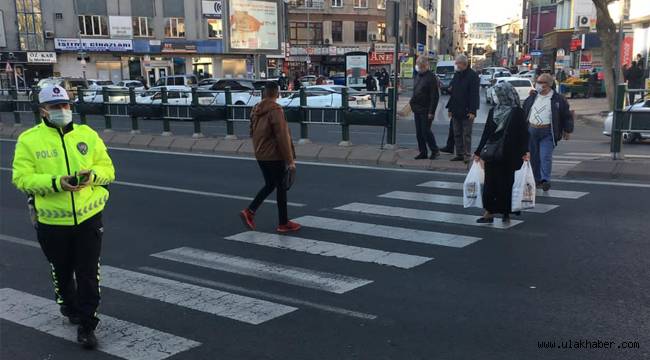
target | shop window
[
  {"x": 337, "y": 31},
  {"x": 174, "y": 27},
  {"x": 361, "y": 4},
  {"x": 381, "y": 4},
  {"x": 381, "y": 32},
  {"x": 215, "y": 29},
  {"x": 301, "y": 34},
  {"x": 30, "y": 25},
  {"x": 142, "y": 26},
  {"x": 93, "y": 25},
  {"x": 337, "y": 3},
  {"x": 360, "y": 31}
]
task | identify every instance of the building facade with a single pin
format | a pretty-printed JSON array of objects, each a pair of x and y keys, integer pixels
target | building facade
[
  {"x": 508, "y": 43},
  {"x": 481, "y": 43},
  {"x": 452, "y": 35},
  {"x": 139, "y": 39}
]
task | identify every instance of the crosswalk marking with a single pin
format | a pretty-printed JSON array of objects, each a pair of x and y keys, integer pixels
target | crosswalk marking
[
  {"x": 220, "y": 303},
  {"x": 428, "y": 215},
  {"x": 560, "y": 194},
  {"x": 389, "y": 232},
  {"x": 116, "y": 337},
  {"x": 450, "y": 200},
  {"x": 313, "y": 279},
  {"x": 324, "y": 248}
]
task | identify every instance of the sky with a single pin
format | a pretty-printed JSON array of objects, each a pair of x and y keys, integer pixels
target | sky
[{"x": 494, "y": 11}]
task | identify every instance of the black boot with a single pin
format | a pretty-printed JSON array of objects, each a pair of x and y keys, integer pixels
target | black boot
[
  {"x": 421, "y": 156},
  {"x": 447, "y": 150},
  {"x": 86, "y": 337},
  {"x": 434, "y": 155}
]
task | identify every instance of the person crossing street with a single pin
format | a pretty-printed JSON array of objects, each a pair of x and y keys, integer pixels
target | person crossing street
[{"x": 65, "y": 169}]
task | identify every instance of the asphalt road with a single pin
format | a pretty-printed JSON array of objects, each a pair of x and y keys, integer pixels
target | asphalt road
[{"x": 578, "y": 271}]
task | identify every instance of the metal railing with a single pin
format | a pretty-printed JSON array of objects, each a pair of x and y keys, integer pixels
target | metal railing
[
  {"x": 305, "y": 107},
  {"x": 626, "y": 120}
]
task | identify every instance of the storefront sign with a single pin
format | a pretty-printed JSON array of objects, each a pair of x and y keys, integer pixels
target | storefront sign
[
  {"x": 254, "y": 25},
  {"x": 212, "y": 9},
  {"x": 41, "y": 57},
  {"x": 627, "y": 51},
  {"x": 356, "y": 69},
  {"x": 98, "y": 45},
  {"x": 377, "y": 58},
  {"x": 178, "y": 47},
  {"x": 120, "y": 27},
  {"x": 406, "y": 68},
  {"x": 384, "y": 48},
  {"x": 3, "y": 38}
]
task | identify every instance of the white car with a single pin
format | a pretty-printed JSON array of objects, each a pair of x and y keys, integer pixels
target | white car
[
  {"x": 521, "y": 85},
  {"x": 176, "y": 95},
  {"x": 526, "y": 74},
  {"x": 487, "y": 74},
  {"x": 136, "y": 84},
  {"x": 94, "y": 84},
  {"x": 116, "y": 94},
  {"x": 328, "y": 96},
  {"x": 642, "y": 110}
]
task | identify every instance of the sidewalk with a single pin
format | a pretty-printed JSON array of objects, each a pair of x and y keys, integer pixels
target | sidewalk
[
  {"x": 591, "y": 110},
  {"x": 630, "y": 169}
]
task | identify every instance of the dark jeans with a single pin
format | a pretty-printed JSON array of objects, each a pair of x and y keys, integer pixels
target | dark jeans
[
  {"x": 541, "y": 152},
  {"x": 424, "y": 134},
  {"x": 383, "y": 92},
  {"x": 463, "y": 135},
  {"x": 273, "y": 172},
  {"x": 73, "y": 253},
  {"x": 450, "y": 136}
]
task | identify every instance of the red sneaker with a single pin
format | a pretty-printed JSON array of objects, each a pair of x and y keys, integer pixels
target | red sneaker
[
  {"x": 248, "y": 218},
  {"x": 288, "y": 227}
]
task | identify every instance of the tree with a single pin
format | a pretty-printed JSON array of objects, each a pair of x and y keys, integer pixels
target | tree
[{"x": 609, "y": 39}]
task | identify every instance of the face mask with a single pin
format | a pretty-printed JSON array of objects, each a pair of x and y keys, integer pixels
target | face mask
[
  {"x": 60, "y": 117},
  {"x": 456, "y": 68},
  {"x": 417, "y": 68},
  {"x": 539, "y": 88}
]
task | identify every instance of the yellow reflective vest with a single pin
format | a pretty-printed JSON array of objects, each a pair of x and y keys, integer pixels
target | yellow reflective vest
[{"x": 44, "y": 154}]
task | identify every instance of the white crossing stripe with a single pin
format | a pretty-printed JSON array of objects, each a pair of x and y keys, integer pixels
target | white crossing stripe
[
  {"x": 313, "y": 279},
  {"x": 389, "y": 232},
  {"x": 220, "y": 303},
  {"x": 116, "y": 337},
  {"x": 450, "y": 200},
  {"x": 560, "y": 194},
  {"x": 324, "y": 248},
  {"x": 428, "y": 215}
]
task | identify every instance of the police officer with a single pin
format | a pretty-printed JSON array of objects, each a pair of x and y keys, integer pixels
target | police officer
[{"x": 65, "y": 169}]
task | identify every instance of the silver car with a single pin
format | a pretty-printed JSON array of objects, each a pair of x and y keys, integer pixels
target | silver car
[{"x": 642, "y": 110}]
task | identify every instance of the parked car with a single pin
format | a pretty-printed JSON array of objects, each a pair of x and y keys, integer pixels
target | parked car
[
  {"x": 207, "y": 83},
  {"x": 445, "y": 72},
  {"x": 116, "y": 94},
  {"x": 178, "y": 80},
  {"x": 308, "y": 80},
  {"x": 526, "y": 74},
  {"x": 521, "y": 85},
  {"x": 136, "y": 84},
  {"x": 487, "y": 74},
  {"x": 94, "y": 84},
  {"x": 640, "y": 110},
  {"x": 176, "y": 95},
  {"x": 244, "y": 91},
  {"x": 328, "y": 96}
]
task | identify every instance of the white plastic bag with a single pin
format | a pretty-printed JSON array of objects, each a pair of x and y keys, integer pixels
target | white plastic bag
[
  {"x": 472, "y": 187},
  {"x": 523, "y": 189}
]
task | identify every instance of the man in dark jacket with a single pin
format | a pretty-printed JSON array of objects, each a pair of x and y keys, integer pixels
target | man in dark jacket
[
  {"x": 634, "y": 76},
  {"x": 549, "y": 121},
  {"x": 384, "y": 81},
  {"x": 424, "y": 103},
  {"x": 462, "y": 107}
]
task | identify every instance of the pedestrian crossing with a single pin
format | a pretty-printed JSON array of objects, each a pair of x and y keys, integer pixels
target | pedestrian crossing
[{"x": 407, "y": 216}]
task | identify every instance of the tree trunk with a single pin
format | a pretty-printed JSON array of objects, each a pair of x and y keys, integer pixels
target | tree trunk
[{"x": 609, "y": 39}]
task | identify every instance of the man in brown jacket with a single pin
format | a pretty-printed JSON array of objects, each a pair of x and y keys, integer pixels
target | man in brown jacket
[{"x": 275, "y": 155}]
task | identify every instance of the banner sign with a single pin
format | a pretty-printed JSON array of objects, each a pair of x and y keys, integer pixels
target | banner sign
[
  {"x": 41, "y": 57},
  {"x": 376, "y": 58},
  {"x": 212, "y": 9},
  {"x": 254, "y": 25},
  {"x": 98, "y": 45},
  {"x": 121, "y": 27}
]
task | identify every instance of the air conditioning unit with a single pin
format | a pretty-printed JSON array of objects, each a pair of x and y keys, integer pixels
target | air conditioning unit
[
  {"x": 373, "y": 37},
  {"x": 49, "y": 34},
  {"x": 583, "y": 21}
]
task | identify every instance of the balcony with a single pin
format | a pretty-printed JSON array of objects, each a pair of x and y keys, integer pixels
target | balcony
[{"x": 306, "y": 4}]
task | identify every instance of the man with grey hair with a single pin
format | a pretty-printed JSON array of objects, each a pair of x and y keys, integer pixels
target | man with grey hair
[
  {"x": 424, "y": 103},
  {"x": 462, "y": 106}
]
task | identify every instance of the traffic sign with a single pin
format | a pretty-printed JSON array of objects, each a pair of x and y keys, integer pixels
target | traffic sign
[{"x": 8, "y": 68}]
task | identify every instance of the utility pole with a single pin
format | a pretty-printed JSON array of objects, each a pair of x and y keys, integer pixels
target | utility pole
[{"x": 396, "y": 30}]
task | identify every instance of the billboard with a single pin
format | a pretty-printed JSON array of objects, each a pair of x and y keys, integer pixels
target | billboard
[
  {"x": 254, "y": 25},
  {"x": 356, "y": 69}
]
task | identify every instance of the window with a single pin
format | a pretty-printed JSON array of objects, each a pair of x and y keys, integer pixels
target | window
[
  {"x": 174, "y": 27},
  {"x": 360, "y": 31},
  {"x": 381, "y": 32},
  {"x": 337, "y": 31},
  {"x": 30, "y": 25},
  {"x": 142, "y": 26},
  {"x": 215, "y": 29},
  {"x": 300, "y": 34},
  {"x": 361, "y": 4},
  {"x": 93, "y": 25},
  {"x": 337, "y": 3},
  {"x": 381, "y": 4}
]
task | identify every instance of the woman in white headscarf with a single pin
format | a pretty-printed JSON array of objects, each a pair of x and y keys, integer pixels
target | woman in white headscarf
[{"x": 506, "y": 124}]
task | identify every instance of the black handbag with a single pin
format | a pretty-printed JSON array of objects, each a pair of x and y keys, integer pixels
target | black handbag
[{"x": 493, "y": 149}]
